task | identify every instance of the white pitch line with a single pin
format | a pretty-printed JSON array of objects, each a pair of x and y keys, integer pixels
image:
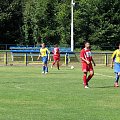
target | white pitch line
[
  {"x": 21, "y": 88},
  {"x": 18, "y": 87},
  {"x": 104, "y": 75}
]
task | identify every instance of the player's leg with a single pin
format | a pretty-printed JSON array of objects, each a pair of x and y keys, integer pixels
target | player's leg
[
  {"x": 90, "y": 76},
  {"x": 54, "y": 62},
  {"x": 43, "y": 67},
  {"x": 117, "y": 75},
  {"x": 85, "y": 70},
  {"x": 90, "y": 68},
  {"x": 46, "y": 66},
  {"x": 85, "y": 79},
  {"x": 58, "y": 65}
]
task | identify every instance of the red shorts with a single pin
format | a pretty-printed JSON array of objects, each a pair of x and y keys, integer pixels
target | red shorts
[
  {"x": 86, "y": 67},
  {"x": 56, "y": 58}
]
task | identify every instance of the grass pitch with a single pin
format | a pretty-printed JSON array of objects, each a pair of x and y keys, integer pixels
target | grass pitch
[{"x": 26, "y": 94}]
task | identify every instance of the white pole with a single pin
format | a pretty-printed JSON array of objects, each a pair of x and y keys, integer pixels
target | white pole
[{"x": 72, "y": 27}]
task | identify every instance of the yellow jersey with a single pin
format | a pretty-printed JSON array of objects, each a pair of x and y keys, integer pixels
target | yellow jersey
[
  {"x": 44, "y": 52},
  {"x": 116, "y": 56}
]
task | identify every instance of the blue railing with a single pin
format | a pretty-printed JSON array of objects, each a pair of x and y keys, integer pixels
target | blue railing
[{"x": 36, "y": 49}]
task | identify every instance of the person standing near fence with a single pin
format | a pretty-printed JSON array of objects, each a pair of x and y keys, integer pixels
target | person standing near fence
[
  {"x": 44, "y": 53},
  {"x": 56, "y": 56},
  {"x": 86, "y": 61},
  {"x": 116, "y": 62}
]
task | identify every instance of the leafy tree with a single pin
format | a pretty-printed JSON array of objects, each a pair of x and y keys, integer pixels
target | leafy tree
[
  {"x": 35, "y": 21},
  {"x": 10, "y": 21}
]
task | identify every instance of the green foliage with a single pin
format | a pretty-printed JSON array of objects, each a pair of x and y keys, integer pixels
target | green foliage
[
  {"x": 36, "y": 21},
  {"x": 63, "y": 19},
  {"x": 10, "y": 21},
  {"x": 98, "y": 22},
  {"x": 33, "y": 11}
]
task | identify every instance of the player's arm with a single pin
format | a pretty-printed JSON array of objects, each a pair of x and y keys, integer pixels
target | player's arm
[
  {"x": 82, "y": 57},
  {"x": 48, "y": 54},
  {"x": 48, "y": 51},
  {"x": 112, "y": 64},
  {"x": 39, "y": 55},
  {"x": 85, "y": 60},
  {"x": 112, "y": 60}
]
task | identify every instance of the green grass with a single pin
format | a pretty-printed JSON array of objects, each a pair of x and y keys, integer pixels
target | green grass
[{"x": 26, "y": 94}]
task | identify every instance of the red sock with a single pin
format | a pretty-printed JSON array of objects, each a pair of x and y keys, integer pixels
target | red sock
[
  {"x": 89, "y": 78},
  {"x": 85, "y": 79}
]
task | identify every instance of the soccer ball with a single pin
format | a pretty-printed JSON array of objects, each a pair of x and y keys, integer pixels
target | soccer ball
[{"x": 72, "y": 67}]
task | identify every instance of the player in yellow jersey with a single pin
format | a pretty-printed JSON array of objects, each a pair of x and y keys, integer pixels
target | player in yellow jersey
[
  {"x": 116, "y": 61},
  {"x": 44, "y": 53}
]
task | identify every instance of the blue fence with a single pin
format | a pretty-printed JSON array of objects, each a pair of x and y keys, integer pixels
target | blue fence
[{"x": 24, "y": 49}]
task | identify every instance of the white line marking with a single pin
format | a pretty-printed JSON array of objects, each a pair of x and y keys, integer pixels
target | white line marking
[
  {"x": 18, "y": 87},
  {"x": 21, "y": 88},
  {"x": 104, "y": 75}
]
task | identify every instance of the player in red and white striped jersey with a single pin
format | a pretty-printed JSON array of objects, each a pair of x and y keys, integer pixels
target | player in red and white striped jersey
[
  {"x": 56, "y": 56},
  {"x": 86, "y": 61}
]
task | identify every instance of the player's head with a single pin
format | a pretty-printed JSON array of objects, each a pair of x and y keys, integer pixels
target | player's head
[
  {"x": 43, "y": 45},
  {"x": 118, "y": 45},
  {"x": 87, "y": 44},
  {"x": 56, "y": 45}
]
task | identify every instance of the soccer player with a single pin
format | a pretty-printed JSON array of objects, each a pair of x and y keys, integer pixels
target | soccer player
[
  {"x": 86, "y": 60},
  {"x": 56, "y": 56},
  {"x": 44, "y": 53},
  {"x": 116, "y": 62}
]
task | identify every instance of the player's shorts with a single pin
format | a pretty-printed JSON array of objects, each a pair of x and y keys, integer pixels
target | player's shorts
[
  {"x": 116, "y": 67},
  {"x": 45, "y": 60},
  {"x": 56, "y": 58},
  {"x": 86, "y": 67}
]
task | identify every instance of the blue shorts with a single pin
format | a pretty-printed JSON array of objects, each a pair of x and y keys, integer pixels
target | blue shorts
[
  {"x": 117, "y": 67},
  {"x": 45, "y": 60}
]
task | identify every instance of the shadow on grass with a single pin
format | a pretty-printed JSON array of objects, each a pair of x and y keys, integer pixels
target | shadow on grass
[
  {"x": 104, "y": 87},
  {"x": 11, "y": 82},
  {"x": 59, "y": 73}
]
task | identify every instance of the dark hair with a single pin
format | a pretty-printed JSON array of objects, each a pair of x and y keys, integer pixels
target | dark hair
[
  {"x": 117, "y": 44},
  {"x": 86, "y": 42},
  {"x": 56, "y": 45}
]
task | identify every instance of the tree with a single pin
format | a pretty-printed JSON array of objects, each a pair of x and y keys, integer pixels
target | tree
[
  {"x": 98, "y": 22},
  {"x": 10, "y": 21},
  {"x": 35, "y": 21},
  {"x": 63, "y": 17}
]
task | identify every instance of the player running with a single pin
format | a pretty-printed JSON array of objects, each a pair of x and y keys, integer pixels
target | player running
[
  {"x": 56, "y": 56},
  {"x": 116, "y": 61},
  {"x": 86, "y": 60},
  {"x": 44, "y": 53}
]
